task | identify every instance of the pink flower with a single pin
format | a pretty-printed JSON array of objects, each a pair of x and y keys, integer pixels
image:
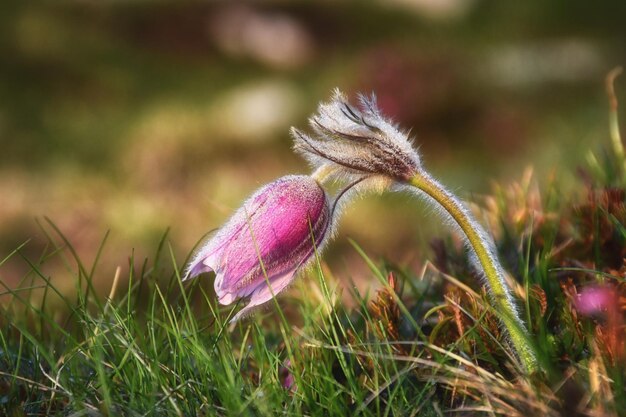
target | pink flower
[
  {"x": 286, "y": 376},
  {"x": 603, "y": 302},
  {"x": 274, "y": 234},
  {"x": 596, "y": 299}
]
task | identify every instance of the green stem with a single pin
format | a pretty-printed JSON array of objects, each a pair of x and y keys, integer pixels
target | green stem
[
  {"x": 616, "y": 139},
  {"x": 487, "y": 259}
]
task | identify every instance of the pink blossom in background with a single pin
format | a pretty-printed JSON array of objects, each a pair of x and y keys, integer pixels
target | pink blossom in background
[
  {"x": 274, "y": 234},
  {"x": 286, "y": 376},
  {"x": 605, "y": 301},
  {"x": 596, "y": 299}
]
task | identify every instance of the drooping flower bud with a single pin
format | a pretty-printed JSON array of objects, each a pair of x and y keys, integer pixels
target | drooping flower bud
[
  {"x": 355, "y": 141},
  {"x": 269, "y": 239}
]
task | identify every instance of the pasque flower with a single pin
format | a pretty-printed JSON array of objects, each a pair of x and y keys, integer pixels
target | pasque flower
[
  {"x": 350, "y": 142},
  {"x": 267, "y": 241}
]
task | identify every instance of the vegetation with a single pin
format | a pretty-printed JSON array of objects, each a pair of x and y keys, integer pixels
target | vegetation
[
  {"x": 426, "y": 343},
  {"x": 131, "y": 117}
]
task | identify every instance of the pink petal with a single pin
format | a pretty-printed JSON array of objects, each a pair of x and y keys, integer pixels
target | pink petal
[
  {"x": 203, "y": 262},
  {"x": 596, "y": 299},
  {"x": 262, "y": 293},
  {"x": 208, "y": 257},
  {"x": 278, "y": 234}
]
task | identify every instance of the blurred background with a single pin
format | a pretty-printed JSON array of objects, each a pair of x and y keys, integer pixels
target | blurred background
[{"x": 138, "y": 116}]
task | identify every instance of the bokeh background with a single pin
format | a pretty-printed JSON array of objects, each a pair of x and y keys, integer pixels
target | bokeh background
[{"x": 135, "y": 116}]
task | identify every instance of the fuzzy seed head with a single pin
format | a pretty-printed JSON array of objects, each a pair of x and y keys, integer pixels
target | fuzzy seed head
[{"x": 356, "y": 141}]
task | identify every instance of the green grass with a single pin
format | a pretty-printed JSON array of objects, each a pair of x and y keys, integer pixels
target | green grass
[{"x": 150, "y": 351}]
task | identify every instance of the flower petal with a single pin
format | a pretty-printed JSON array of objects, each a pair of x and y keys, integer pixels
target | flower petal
[
  {"x": 206, "y": 260},
  {"x": 223, "y": 297},
  {"x": 277, "y": 237},
  {"x": 263, "y": 294}
]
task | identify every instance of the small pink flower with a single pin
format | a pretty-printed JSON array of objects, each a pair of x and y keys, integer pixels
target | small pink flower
[
  {"x": 604, "y": 302},
  {"x": 274, "y": 234},
  {"x": 286, "y": 376},
  {"x": 596, "y": 299}
]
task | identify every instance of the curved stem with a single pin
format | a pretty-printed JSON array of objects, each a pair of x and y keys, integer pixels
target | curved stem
[
  {"x": 616, "y": 139},
  {"x": 487, "y": 262}
]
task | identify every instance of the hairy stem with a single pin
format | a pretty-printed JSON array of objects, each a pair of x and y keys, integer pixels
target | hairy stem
[{"x": 488, "y": 263}]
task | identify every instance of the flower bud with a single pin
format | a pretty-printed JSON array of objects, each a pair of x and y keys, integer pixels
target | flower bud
[
  {"x": 273, "y": 235},
  {"x": 355, "y": 141}
]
